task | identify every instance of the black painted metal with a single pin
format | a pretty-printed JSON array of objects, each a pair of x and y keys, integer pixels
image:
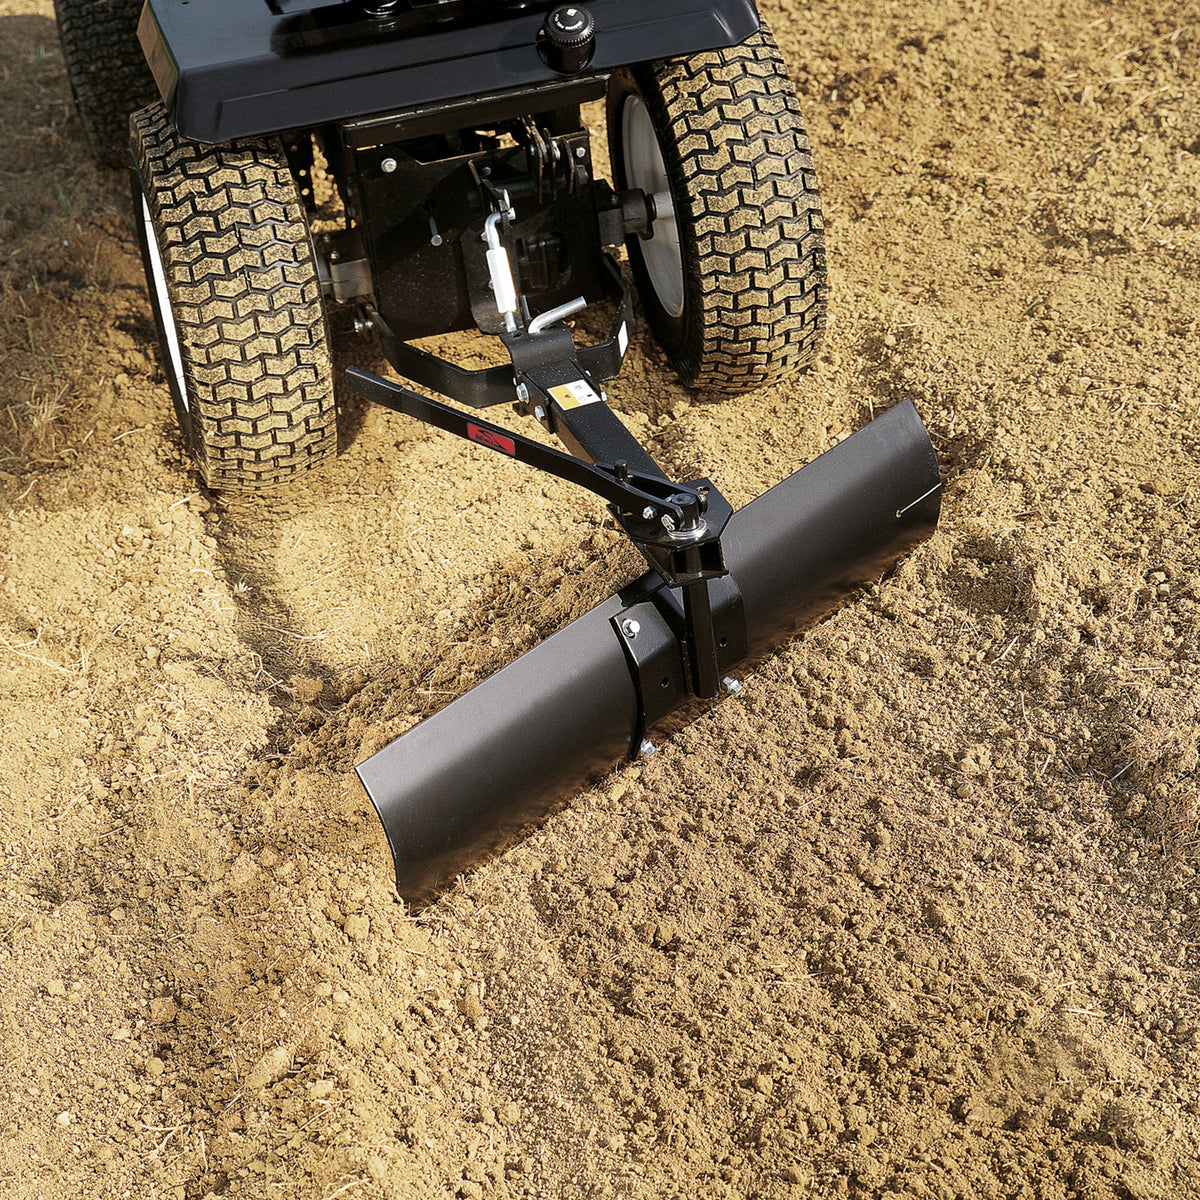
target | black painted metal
[
  {"x": 461, "y": 784},
  {"x": 728, "y": 624},
  {"x": 650, "y": 640},
  {"x": 628, "y": 493},
  {"x": 704, "y": 676},
  {"x": 421, "y": 211},
  {"x": 838, "y": 523},
  {"x": 488, "y": 386},
  {"x": 553, "y": 348},
  {"x": 592, "y": 431},
  {"x": 482, "y": 387},
  {"x": 235, "y": 68},
  {"x": 466, "y": 780},
  {"x": 473, "y": 112},
  {"x": 687, "y": 553},
  {"x": 676, "y": 526}
]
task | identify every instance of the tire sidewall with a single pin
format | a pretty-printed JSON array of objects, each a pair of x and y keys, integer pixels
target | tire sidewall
[{"x": 183, "y": 414}]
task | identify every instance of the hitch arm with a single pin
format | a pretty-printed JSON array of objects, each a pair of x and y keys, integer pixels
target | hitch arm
[
  {"x": 629, "y": 494},
  {"x": 677, "y": 527}
]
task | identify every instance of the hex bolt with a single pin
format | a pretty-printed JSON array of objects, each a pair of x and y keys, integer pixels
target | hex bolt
[
  {"x": 522, "y": 392},
  {"x": 540, "y": 413},
  {"x": 388, "y": 165},
  {"x": 648, "y": 513},
  {"x": 647, "y": 747},
  {"x": 631, "y": 628},
  {"x": 731, "y": 685},
  {"x": 581, "y": 152}
]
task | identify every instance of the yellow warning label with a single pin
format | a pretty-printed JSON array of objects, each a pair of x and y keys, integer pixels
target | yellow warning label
[{"x": 574, "y": 394}]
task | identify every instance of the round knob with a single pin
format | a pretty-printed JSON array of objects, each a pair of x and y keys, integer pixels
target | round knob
[{"x": 568, "y": 38}]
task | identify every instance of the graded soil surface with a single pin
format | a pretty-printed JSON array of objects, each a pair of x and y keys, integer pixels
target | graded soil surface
[{"x": 914, "y": 915}]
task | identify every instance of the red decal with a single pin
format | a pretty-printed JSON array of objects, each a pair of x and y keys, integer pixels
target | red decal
[{"x": 493, "y": 441}]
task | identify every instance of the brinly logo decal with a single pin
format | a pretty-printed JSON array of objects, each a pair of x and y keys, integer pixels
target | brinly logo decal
[{"x": 493, "y": 441}]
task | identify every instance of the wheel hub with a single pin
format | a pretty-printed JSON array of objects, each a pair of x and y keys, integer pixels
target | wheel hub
[{"x": 646, "y": 169}]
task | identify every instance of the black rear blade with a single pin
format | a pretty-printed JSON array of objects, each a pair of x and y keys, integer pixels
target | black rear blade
[{"x": 468, "y": 779}]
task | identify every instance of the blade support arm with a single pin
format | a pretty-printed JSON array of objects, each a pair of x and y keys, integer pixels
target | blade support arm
[
  {"x": 677, "y": 527},
  {"x": 629, "y": 494}
]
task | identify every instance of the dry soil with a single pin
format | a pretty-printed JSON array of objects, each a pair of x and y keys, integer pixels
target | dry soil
[{"x": 915, "y": 915}]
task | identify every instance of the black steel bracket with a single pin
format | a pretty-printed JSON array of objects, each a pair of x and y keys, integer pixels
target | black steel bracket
[
  {"x": 654, "y": 634},
  {"x": 488, "y": 386}
]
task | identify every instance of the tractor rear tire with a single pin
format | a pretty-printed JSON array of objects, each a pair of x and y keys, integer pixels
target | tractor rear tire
[
  {"x": 107, "y": 71},
  {"x": 732, "y": 279},
  {"x": 237, "y": 300}
]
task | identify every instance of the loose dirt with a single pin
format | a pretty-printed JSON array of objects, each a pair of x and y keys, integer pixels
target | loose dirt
[{"x": 915, "y": 915}]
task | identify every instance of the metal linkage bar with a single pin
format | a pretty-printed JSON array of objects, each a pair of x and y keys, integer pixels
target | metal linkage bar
[
  {"x": 626, "y": 491},
  {"x": 677, "y": 527}
]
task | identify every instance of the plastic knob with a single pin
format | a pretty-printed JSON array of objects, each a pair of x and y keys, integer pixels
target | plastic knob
[{"x": 567, "y": 39}]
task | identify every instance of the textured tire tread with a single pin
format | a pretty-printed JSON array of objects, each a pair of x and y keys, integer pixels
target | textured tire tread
[
  {"x": 109, "y": 76},
  {"x": 246, "y": 300},
  {"x": 735, "y": 146}
]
